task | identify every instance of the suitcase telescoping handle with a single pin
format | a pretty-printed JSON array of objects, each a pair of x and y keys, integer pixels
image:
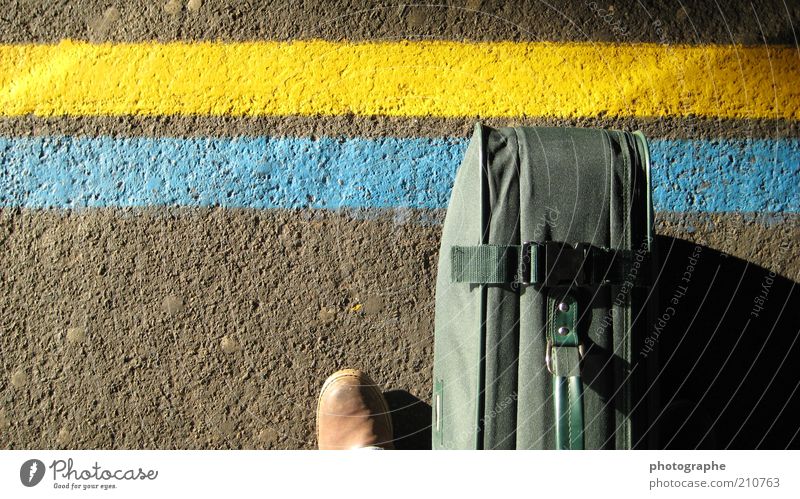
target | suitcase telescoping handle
[{"x": 557, "y": 269}]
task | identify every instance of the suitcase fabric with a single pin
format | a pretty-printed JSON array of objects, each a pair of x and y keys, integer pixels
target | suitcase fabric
[{"x": 543, "y": 272}]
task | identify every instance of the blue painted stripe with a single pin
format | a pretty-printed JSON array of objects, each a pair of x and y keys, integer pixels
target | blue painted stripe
[
  {"x": 726, "y": 175},
  {"x": 66, "y": 172}
]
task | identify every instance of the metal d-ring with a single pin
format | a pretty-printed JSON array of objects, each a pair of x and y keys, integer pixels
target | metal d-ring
[{"x": 548, "y": 359}]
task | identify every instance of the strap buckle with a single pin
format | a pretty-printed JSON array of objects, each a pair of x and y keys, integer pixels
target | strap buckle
[{"x": 555, "y": 264}]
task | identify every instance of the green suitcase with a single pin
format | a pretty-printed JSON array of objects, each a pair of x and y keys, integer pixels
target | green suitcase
[{"x": 542, "y": 293}]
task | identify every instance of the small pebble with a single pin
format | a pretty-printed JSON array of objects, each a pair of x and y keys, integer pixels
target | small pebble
[
  {"x": 64, "y": 437},
  {"x": 19, "y": 379},
  {"x": 172, "y": 7},
  {"x": 229, "y": 345},
  {"x": 373, "y": 305},
  {"x": 76, "y": 335},
  {"x": 173, "y": 305},
  {"x": 326, "y": 315}
]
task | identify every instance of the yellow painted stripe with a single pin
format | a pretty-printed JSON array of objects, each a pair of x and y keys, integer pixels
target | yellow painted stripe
[{"x": 399, "y": 79}]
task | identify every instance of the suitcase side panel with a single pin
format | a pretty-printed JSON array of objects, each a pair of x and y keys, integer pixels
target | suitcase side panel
[{"x": 456, "y": 401}]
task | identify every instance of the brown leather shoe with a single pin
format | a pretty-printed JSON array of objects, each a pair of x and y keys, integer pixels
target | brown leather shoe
[{"x": 352, "y": 413}]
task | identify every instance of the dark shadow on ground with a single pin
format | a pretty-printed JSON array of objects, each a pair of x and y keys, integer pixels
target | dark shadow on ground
[
  {"x": 411, "y": 418},
  {"x": 728, "y": 352}
]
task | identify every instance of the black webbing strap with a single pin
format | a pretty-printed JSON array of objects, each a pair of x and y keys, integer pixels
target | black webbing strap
[{"x": 547, "y": 264}]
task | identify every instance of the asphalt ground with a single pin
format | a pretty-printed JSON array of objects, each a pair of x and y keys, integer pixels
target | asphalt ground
[{"x": 207, "y": 327}]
